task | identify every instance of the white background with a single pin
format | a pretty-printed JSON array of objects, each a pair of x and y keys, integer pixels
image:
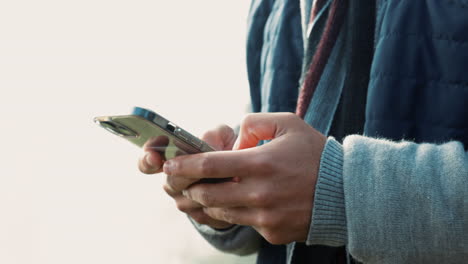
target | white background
[{"x": 70, "y": 192}]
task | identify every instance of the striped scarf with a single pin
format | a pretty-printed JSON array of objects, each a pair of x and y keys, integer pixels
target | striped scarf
[{"x": 336, "y": 16}]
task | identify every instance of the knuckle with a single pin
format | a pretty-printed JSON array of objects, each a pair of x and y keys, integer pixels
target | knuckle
[
  {"x": 206, "y": 166},
  {"x": 262, "y": 164},
  {"x": 262, "y": 220},
  {"x": 227, "y": 216},
  {"x": 207, "y": 199},
  {"x": 210, "y": 134},
  {"x": 223, "y": 128},
  {"x": 248, "y": 119},
  {"x": 257, "y": 198}
]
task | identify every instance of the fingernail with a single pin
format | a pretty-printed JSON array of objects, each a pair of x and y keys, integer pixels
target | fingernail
[
  {"x": 168, "y": 166},
  {"x": 185, "y": 193}
]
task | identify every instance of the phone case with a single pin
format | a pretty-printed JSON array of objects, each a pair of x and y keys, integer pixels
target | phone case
[{"x": 146, "y": 127}]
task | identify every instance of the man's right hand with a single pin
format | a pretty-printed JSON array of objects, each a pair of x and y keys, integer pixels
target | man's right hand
[{"x": 220, "y": 138}]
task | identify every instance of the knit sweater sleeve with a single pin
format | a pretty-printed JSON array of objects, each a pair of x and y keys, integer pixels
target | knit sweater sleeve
[
  {"x": 393, "y": 202},
  {"x": 239, "y": 240}
]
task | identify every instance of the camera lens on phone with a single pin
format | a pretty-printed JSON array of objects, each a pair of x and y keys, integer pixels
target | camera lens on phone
[{"x": 118, "y": 129}]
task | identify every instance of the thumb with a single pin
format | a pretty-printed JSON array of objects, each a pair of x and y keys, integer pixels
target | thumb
[{"x": 262, "y": 126}]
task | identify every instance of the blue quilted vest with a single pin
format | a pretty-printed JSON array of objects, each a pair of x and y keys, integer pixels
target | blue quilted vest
[{"x": 418, "y": 86}]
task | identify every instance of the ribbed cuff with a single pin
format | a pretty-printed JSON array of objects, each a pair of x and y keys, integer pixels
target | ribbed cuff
[
  {"x": 239, "y": 240},
  {"x": 209, "y": 231},
  {"x": 328, "y": 224}
]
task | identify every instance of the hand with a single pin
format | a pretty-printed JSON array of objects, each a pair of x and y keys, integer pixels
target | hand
[
  {"x": 274, "y": 184},
  {"x": 221, "y": 138}
]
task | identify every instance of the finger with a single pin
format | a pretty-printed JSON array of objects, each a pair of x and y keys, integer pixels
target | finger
[
  {"x": 150, "y": 163},
  {"x": 233, "y": 215},
  {"x": 221, "y": 164},
  {"x": 220, "y": 138},
  {"x": 183, "y": 204},
  {"x": 200, "y": 217},
  {"x": 171, "y": 192},
  {"x": 227, "y": 194},
  {"x": 186, "y": 205},
  {"x": 213, "y": 138},
  {"x": 157, "y": 144},
  {"x": 262, "y": 126},
  {"x": 177, "y": 184}
]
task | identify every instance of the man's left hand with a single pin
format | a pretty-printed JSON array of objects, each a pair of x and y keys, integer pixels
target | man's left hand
[{"x": 272, "y": 186}]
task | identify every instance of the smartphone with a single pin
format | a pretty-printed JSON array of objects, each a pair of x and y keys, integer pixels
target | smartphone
[{"x": 144, "y": 126}]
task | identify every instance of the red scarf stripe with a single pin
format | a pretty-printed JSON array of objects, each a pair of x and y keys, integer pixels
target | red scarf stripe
[{"x": 324, "y": 48}]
